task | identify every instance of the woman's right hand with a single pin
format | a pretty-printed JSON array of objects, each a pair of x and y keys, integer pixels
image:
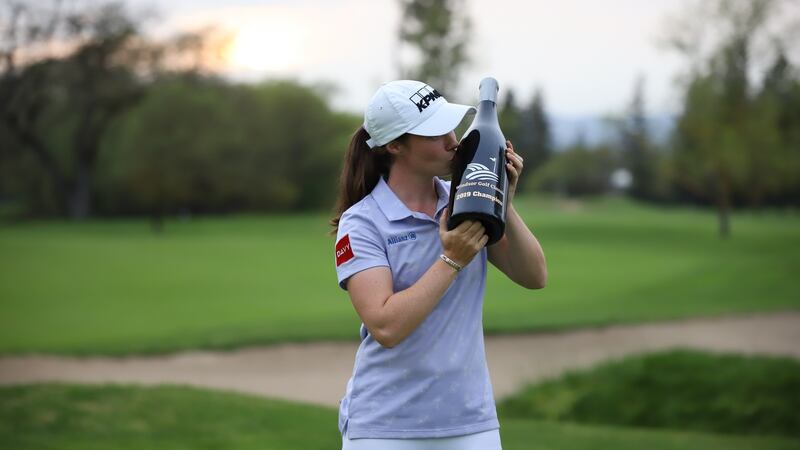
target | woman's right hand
[{"x": 463, "y": 242}]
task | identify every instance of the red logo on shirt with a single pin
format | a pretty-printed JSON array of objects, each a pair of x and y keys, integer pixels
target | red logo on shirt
[{"x": 344, "y": 252}]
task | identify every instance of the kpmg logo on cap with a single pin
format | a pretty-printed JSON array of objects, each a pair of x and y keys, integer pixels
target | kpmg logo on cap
[{"x": 424, "y": 97}]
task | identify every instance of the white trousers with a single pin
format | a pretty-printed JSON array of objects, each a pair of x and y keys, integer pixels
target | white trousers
[{"x": 486, "y": 440}]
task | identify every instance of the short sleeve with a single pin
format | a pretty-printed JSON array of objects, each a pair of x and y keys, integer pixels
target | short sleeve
[{"x": 359, "y": 246}]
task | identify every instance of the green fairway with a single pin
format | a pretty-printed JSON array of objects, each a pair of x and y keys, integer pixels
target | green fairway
[
  {"x": 115, "y": 287},
  {"x": 170, "y": 418},
  {"x": 686, "y": 390}
]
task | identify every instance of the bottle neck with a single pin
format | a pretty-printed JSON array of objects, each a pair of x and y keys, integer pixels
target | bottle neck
[{"x": 487, "y": 112}]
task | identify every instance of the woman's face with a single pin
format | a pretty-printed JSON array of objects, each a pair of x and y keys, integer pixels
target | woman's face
[{"x": 430, "y": 155}]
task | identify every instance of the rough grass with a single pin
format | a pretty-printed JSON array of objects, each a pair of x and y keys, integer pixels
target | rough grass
[
  {"x": 60, "y": 417},
  {"x": 685, "y": 390}
]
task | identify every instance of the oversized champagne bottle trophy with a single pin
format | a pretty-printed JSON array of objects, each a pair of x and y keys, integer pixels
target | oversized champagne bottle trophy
[{"x": 480, "y": 185}]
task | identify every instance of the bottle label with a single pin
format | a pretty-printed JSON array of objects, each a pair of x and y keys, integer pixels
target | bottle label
[{"x": 479, "y": 190}]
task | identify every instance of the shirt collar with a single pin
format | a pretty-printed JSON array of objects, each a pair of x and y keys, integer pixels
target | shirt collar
[{"x": 394, "y": 209}]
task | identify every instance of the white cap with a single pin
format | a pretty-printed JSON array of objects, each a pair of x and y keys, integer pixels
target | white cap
[{"x": 407, "y": 106}]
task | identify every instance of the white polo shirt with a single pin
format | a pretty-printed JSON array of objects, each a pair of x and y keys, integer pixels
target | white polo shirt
[{"x": 435, "y": 383}]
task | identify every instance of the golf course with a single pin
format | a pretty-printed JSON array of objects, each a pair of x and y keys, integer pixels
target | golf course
[{"x": 115, "y": 288}]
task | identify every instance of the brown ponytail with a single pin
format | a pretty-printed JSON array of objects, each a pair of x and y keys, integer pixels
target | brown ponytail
[{"x": 362, "y": 167}]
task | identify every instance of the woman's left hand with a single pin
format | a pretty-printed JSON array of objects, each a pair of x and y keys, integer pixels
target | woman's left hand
[{"x": 514, "y": 167}]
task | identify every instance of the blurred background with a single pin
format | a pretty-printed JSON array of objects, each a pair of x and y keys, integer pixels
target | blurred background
[{"x": 168, "y": 171}]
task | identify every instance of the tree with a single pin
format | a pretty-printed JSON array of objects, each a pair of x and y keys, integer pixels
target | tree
[
  {"x": 578, "y": 170},
  {"x": 66, "y": 74},
  {"x": 724, "y": 143},
  {"x": 637, "y": 152},
  {"x": 204, "y": 145},
  {"x": 707, "y": 158},
  {"x": 89, "y": 88},
  {"x": 438, "y": 31},
  {"x": 534, "y": 140},
  {"x": 509, "y": 115},
  {"x": 539, "y": 136},
  {"x": 779, "y": 108}
]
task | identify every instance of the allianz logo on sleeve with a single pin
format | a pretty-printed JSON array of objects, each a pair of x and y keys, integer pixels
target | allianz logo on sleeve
[{"x": 410, "y": 236}]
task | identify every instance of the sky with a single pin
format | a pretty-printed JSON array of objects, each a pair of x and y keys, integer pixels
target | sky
[{"x": 585, "y": 55}]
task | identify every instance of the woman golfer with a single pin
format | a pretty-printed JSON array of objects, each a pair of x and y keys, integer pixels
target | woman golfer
[{"x": 420, "y": 379}]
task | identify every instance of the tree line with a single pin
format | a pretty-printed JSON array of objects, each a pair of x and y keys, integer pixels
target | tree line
[
  {"x": 122, "y": 124},
  {"x": 736, "y": 140},
  {"x": 113, "y": 122}
]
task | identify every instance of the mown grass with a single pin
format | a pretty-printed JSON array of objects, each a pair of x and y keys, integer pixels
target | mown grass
[
  {"x": 56, "y": 417},
  {"x": 115, "y": 287},
  {"x": 679, "y": 389}
]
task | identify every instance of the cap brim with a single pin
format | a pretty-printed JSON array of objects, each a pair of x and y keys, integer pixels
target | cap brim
[{"x": 443, "y": 121}]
